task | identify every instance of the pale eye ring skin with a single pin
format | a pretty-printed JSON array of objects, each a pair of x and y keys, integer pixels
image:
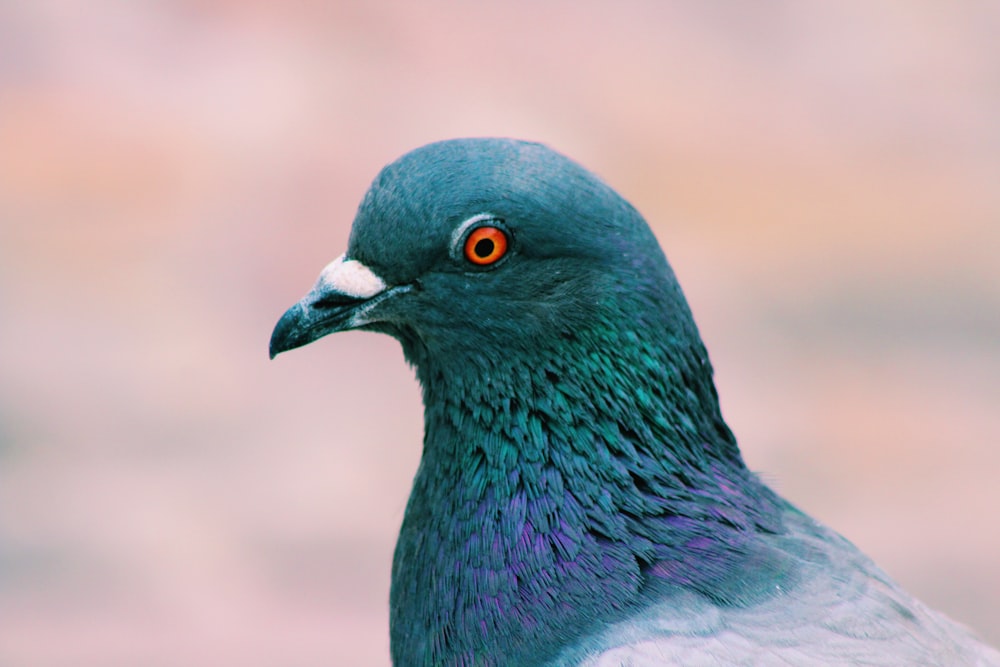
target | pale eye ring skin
[{"x": 482, "y": 240}]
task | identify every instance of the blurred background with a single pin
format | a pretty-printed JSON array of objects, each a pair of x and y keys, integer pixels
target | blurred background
[{"x": 825, "y": 178}]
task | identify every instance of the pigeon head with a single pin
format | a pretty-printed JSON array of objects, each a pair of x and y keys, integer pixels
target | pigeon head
[
  {"x": 578, "y": 489},
  {"x": 467, "y": 250},
  {"x": 575, "y": 459}
]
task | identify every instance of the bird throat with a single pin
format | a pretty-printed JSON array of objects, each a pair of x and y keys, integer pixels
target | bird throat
[{"x": 562, "y": 490}]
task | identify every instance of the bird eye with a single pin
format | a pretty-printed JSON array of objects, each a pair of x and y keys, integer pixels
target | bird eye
[{"x": 485, "y": 245}]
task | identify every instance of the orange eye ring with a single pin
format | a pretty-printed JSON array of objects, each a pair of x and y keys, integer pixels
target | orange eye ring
[{"x": 485, "y": 245}]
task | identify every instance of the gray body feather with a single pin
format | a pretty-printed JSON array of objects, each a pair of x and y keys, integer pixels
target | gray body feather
[{"x": 842, "y": 610}]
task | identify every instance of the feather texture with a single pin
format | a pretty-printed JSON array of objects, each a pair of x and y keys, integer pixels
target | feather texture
[{"x": 580, "y": 499}]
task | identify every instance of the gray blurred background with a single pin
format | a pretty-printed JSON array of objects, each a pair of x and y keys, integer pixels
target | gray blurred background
[{"x": 825, "y": 178}]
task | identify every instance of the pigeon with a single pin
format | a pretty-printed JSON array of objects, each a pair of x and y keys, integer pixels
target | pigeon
[{"x": 580, "y": 500}]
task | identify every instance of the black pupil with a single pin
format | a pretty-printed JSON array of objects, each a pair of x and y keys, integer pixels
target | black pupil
[{"x": 483, "y": 248}]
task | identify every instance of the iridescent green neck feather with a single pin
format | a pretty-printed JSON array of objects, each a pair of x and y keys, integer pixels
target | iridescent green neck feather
[{"x": 565, "y": 485}]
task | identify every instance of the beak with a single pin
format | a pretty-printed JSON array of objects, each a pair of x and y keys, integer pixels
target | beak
[{"x": 341, "y": 299}]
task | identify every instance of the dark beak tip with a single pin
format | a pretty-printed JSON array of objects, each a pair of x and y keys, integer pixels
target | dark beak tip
[
  {"x": 273, "y": 349},
  {"x": 315, "y": 316},
  {"x": 284, "y": 337}
]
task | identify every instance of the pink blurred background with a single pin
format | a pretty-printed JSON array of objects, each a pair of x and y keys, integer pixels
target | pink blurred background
[{"x": 825, "y": 178}]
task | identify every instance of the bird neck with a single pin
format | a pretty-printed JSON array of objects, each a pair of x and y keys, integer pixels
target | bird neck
[{"x": 558, "y": 490}]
